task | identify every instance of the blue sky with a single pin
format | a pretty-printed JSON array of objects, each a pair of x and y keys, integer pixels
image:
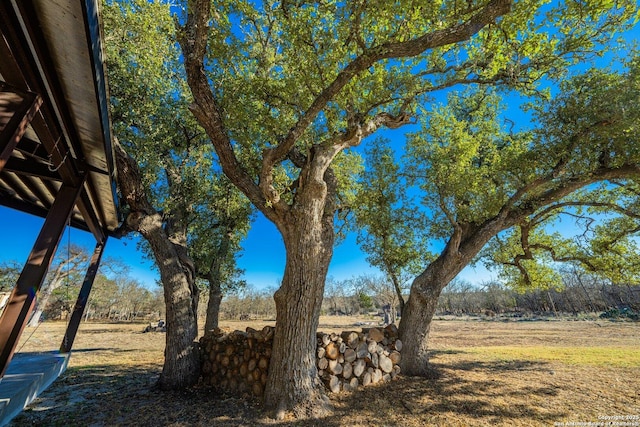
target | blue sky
[
  {"x": 263, "y": 257},
  {"x": 18, "y": 238}
]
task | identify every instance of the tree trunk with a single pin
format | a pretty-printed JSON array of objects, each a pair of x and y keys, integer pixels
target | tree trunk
[
  {"x": 213, "y": 306},
  {"x": 415, "y": 325},
  {"x": 35, "y": 317},
  {"x": 214, "y": 277},
  {"x": 418, "y": 312},
  {"x": 398, "y": 288},
  {"x": 293, "y": 383},
  {"x": 42, "y": 302},
  {"x": 181, "y": 357}
]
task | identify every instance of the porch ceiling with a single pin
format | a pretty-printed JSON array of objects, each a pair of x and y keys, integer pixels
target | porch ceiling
[{"x": 51, "y": 51}]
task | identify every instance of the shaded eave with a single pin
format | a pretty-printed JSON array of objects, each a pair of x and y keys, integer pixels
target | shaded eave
[{"x": 51, "y": 50}]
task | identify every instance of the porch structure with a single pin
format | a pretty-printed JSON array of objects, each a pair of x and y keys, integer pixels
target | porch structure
[{"x": 56, "y": 161}]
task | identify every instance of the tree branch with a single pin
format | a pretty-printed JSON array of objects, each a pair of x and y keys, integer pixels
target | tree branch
[
  {"x": 130, "y": 182},
  {"x": 460, "y": 32},
  {"x": 557, "y": 170},
  {"x": 193, "y": 40},
  {"x": 527, "y": 248},
  {"x": 610, "y": 206},
  {"x": 361, "y": 129}
]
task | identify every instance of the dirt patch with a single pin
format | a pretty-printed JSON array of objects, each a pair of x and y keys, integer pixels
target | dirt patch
[{"x": 112, "y": 372}]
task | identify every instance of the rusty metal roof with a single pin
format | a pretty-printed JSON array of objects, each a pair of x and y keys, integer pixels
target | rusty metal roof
[{"x": 51, "y": 50}]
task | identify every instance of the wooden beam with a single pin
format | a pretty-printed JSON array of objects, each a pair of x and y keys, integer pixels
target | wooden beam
[
  {"x": 20, "y": 190},
  {"x": 89, "y": 215},
  {"x": 39, "y": 192},
  {"x": 23, "y": 297},
  {"x": 17, "y": 109},
  {"x": 12, "y": 72},
  {"x": 31, "y": 168},
  {"x": 27, "y": 64},
  {"x": 52, "y": 81},
  {"x": 22, "y": 68},
  {"x": 33, "y": 149},
  {"x": 83, "y": 298}
]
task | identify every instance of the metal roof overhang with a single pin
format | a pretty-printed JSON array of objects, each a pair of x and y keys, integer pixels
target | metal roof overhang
[{"x": 51, "y": 72}]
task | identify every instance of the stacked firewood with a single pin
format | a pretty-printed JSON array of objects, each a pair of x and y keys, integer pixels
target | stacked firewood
[
  {"x": 352, "y": 359},
  {"x": 237, "y": 362}
]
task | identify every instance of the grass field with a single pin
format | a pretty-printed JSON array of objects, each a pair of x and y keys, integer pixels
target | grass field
[{"x": 487, "y": 373}]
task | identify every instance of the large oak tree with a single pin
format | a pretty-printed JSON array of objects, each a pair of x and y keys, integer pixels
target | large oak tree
[
  {"x": 283, "y": 89},
  {"x": 167, "y": 175},
  {"x": 479, "y": 180}
]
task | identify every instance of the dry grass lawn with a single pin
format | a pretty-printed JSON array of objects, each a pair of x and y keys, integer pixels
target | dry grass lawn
[{"x": 487, "y": 373}]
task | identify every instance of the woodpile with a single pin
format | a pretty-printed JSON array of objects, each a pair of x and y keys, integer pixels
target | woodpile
[
  {"x": 238, "y": 362},
  {"x": 352, "y": 359}
]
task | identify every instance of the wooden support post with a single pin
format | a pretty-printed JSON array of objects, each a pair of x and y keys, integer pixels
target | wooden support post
[
  {"x": 83, "y": 298},
  {"x": 17, "y": 108},
  {"x": 22, "y": 299}
]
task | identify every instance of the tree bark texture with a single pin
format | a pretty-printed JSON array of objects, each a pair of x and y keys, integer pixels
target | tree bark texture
[
  {"x": 293, "y": 384},
  {"x": 181, "y": 365},
  {"x": 416, "y": 321},
  {"x": 213, "y": 306},
  {"x": 465, "y": 243},
  {"x": 181, "y": 359},
  {"x": 214, "y": 277}
]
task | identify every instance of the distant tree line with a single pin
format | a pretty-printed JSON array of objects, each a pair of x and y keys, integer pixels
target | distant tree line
[
  {"x": 115, "y": 296},
  {"x": 364, "y": 294},
  {"x": 125, "y": 300},
  {"x": 248, "y": 303},
  {"x": 578, "y": 293}
]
